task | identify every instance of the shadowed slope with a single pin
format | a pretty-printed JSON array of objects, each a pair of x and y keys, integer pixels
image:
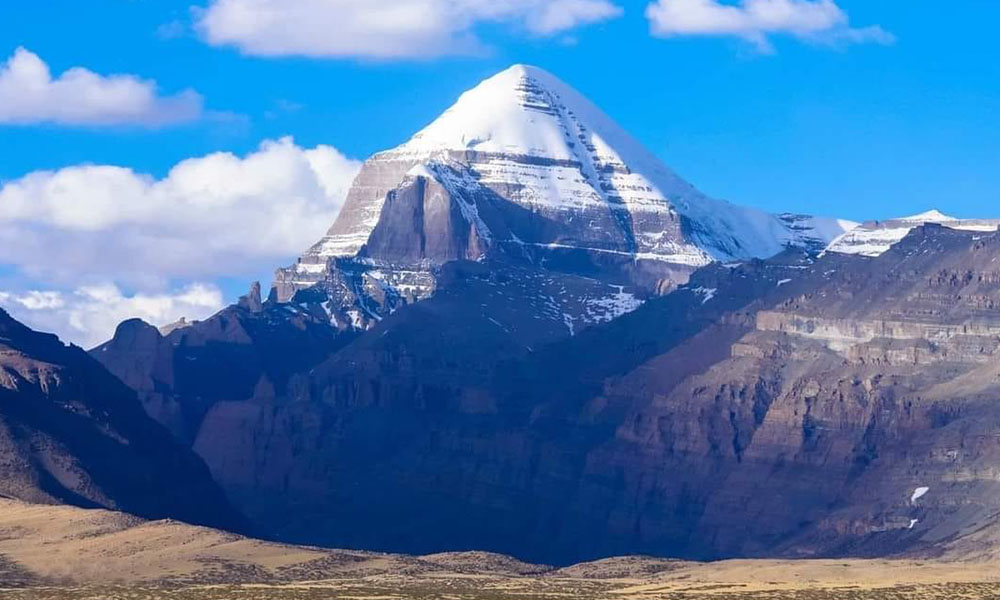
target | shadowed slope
[{"x": 70, "y": 432}]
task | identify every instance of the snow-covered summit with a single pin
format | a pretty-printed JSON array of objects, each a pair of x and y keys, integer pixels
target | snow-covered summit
[
  {"x": 560, "y": 175},
  {"x": 555, "y": 151},
  {"x": 527, "y": 111},
  {"x": 513, "y": 113},
  {"x": 876, "y": 237},
  {"x": 931, "y": 216}
]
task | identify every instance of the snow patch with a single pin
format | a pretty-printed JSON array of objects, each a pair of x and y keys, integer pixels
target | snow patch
[
  {"x": 931, "y": 216},
  {"x": 706, "y": 293},
  {"x": 918, "y": 494},
  {"x": 421, "y": 170},
  {"x": 602, "y": 310},
  {"x": 311, "y": 268}
]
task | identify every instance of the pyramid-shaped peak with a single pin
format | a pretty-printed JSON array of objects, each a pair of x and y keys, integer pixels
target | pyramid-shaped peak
[
  {"x": 522, "y": 111},
  {"x": 550, "y": 172},
  {"x": 527, "y": 111}
]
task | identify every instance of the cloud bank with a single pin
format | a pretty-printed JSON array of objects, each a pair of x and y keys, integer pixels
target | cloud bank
[
  {"x": 818, "y": 21},
  {"x": 89, "y": 315},
  {"x": 215, "y": 215},
  {"x": 75, "y": 237},
  {"x": 386, "y": 29},
  {"x": 29, "y": 94}
]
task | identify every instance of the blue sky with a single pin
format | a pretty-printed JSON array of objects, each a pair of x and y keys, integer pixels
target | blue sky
[
  {"x": 860, "y": 132},
  {"x": 811, "y": 124}
]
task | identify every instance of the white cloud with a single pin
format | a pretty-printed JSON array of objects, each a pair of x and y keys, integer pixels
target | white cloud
[
  {"x": 383, "y": 29},
  {"x": 73, "y": 238},
  {"x": 89, "y": 315},
  {"x": 218, "y": 215},
  {"x": 29, "y": 94},
  {"x": 819, "y": 21}
]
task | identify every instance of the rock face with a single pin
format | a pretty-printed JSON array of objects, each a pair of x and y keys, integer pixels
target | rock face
[
  {"x": 523, "y": 169},
  {"x": 848, "y": 420},
  {"x": 72, "y": 433},
  {"x": 251, "y": 347}
]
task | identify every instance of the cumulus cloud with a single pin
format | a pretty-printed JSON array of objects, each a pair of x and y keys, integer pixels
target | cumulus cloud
[
  {"x": 819, "y": 21},
  {"x": 89, "y": 315},
  {"x": 386, "y": 29},
  {"x": 217, "y": 215},
  {"x": 73, "y": 238},
  {"x": 29, "y": 94}
]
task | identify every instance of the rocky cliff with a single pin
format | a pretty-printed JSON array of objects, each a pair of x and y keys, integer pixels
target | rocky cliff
[
  {"x": 254, "y": 346},
  {"x": 72, "y": 433},
  {"x": 852, "y": 418}
]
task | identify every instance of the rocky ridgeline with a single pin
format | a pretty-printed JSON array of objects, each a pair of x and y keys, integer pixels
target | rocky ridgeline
[{"x": 792, "y": 406}]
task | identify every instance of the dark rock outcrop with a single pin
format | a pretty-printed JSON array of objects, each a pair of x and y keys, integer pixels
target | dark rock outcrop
[{"x": 247, "y": 347}]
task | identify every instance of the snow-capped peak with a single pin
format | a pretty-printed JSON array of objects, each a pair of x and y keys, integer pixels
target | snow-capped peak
[
  {"x": 562, "y": 177},
  {"x": 876, "y": 237},
  {"x": 521, "y": 110},
  {"x": 581, "y": 156},
  {"x": 527, "y": 111},
  {"x": 931, "y": 216}
]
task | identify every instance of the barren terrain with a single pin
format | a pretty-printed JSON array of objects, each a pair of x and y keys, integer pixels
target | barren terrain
[{"x": 58, "y": 552}]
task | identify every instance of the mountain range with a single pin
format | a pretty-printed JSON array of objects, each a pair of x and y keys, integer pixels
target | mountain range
[{"x": 525, "y": 334}]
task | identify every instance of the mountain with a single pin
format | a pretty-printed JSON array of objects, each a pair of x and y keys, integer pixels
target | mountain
[
  {"x": 72, "y": 433},
  {"x": 847, "y": 419},
  {"x": 799, "y": 406},
  {"x": 525, "y": 170},
  {"x": 603, "y": 361},
  {"x": 875, "y": 237}
]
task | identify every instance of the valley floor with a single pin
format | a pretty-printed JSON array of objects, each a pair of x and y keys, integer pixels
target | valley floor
[
  {"x": 498, "y": 589},
  {"x": 64, "y": 553}
]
